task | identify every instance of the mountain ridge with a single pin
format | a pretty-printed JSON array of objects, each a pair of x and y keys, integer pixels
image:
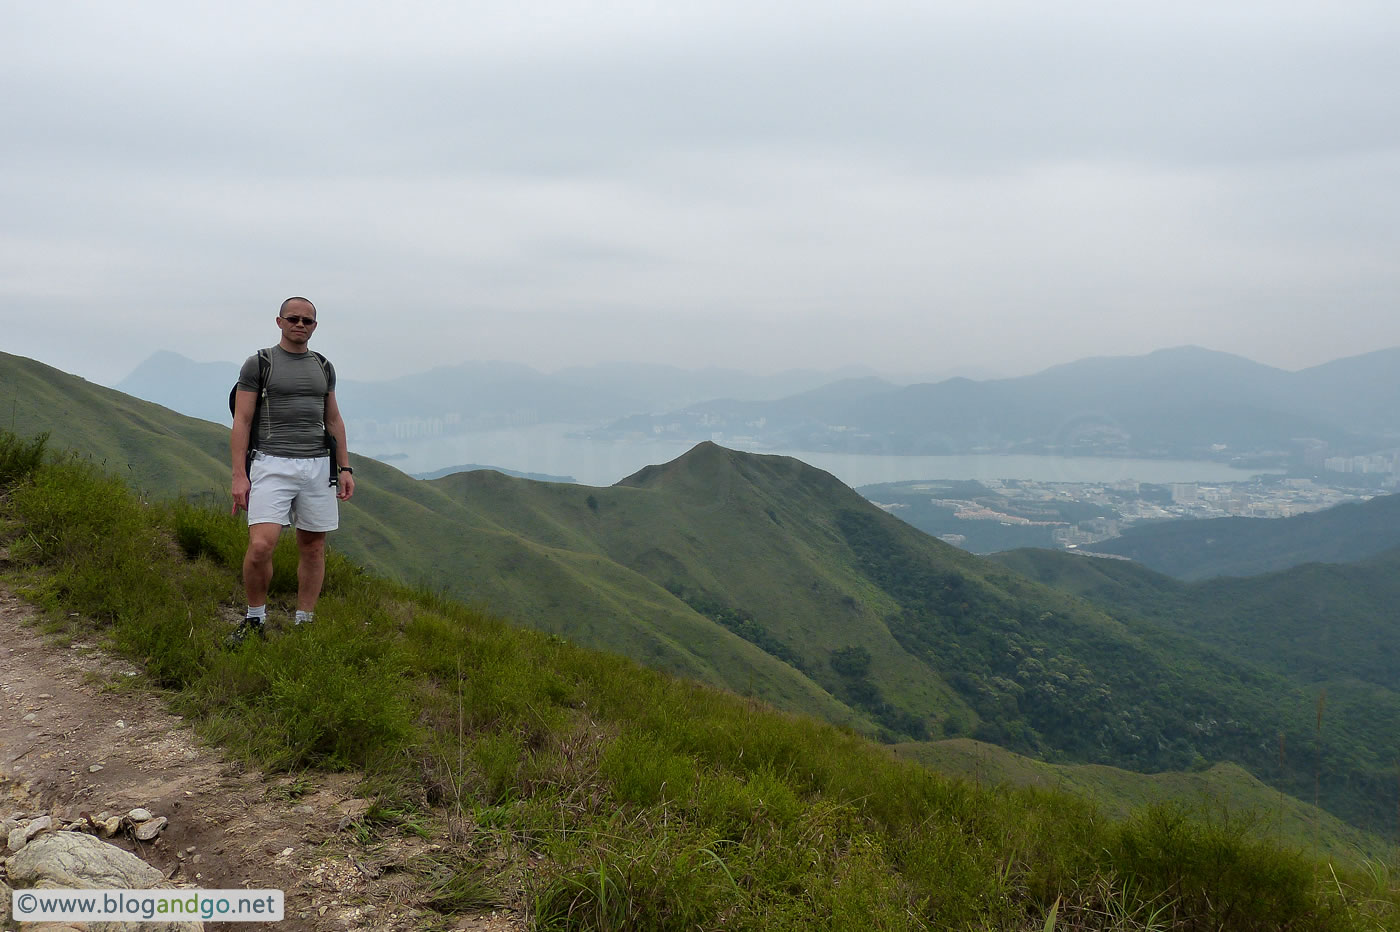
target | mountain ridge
[{"x": 1183, "y": 402}]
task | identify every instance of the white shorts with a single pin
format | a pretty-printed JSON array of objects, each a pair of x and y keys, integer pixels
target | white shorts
[{"x": 292, "y": 491}]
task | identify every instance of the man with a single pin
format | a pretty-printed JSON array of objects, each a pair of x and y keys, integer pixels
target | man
[{"x": 287, "y": 480}]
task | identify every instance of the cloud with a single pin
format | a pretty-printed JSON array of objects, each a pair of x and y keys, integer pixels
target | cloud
[{"x": 898, "y": 184}]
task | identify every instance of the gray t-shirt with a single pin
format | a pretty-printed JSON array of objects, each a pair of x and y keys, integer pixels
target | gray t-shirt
[{"x": 292, "y": 418}]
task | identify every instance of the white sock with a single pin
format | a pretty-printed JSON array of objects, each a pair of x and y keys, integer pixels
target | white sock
[
  {"x": 258, "y": 611},
  {"x": 305, "y": 618}
]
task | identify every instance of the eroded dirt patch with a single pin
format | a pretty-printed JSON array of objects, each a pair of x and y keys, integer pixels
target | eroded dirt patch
[{"x": 74, "y": 741}]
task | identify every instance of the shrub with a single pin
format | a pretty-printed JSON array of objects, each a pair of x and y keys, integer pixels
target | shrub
[{"x": 19, "y": 458}]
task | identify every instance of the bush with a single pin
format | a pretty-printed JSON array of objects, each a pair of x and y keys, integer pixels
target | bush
[
  {"x": 19, "y": 458},
  {"x": 1218, "y": 876}
]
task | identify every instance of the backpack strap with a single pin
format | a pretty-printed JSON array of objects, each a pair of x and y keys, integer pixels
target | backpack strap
[
  {"x": 329, "y": 438},
  {"x": 264, "y": 368},
  {"x": 264, "y": 371}
]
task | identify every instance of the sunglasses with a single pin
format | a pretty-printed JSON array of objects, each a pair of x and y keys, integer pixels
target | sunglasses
[{"x": 308, "y": 321}]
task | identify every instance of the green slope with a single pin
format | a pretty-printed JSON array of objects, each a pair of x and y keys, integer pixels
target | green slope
[
  {"x": 944, "y": 642},
  {"x": 155, "y": 448},
  {"x": 1328, "y": 628},
  {"x": 769, "y": 577},
  {"x": 604, "y": 795},
  {"x": 420, "y": 532},
  {"x": 1216, "y": 791},
  {"x": 1314, "y": 623},
  {"x": 750, "y": 536}
]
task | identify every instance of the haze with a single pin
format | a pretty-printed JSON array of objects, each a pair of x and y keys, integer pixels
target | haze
[{"x": 925, "y": 189}]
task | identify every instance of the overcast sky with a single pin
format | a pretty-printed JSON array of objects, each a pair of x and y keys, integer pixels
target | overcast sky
[{"x": 922, "y": 188}]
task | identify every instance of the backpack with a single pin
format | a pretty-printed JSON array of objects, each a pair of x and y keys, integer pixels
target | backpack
[{"x": 264, "y": 367}]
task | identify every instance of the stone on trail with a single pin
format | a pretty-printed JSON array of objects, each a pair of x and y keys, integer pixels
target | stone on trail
[
  {"x": 148, "y": 830},
  {"x": 74, "y": 861}
]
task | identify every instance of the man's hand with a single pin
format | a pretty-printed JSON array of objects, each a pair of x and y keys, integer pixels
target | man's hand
[
  {"x": 346, "y": 487},
  {"x": 241, "y": 487}
]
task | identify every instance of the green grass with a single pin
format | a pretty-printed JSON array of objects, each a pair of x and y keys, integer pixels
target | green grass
[
  {"x": 1219, "y": 789},
  {"x": 622, "y": 797},
  {"x": 755, "y": 574}
]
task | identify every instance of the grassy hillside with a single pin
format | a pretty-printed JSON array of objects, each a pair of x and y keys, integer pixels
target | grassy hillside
[
  {"x": 1119, "y": 793},
  {"x": 1315, "y": 623},
  {"x": 1328, "y": 628},
  {"x": 770, "y": 578},
  {"x": 1195, "y": 550},
  {"x": 418, "y": 532},
  {"x": 152, "y": 447},
  {"x": 594, "y": 794}
]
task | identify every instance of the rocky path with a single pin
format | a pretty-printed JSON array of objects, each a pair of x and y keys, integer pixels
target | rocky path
[{"x": 76, "y": 738}]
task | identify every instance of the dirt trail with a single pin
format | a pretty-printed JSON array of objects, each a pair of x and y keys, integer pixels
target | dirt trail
[{"x": 73, "y": 741}]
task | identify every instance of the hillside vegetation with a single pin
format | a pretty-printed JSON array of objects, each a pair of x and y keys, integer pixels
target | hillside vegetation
[
  {"x": 769, "y": 578},
  {"x": 1120, "y": 793},
  {"x": 623, "y": 798}
]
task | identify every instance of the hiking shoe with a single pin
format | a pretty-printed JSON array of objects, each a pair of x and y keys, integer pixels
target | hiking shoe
[{"x": 248, "y": 627}]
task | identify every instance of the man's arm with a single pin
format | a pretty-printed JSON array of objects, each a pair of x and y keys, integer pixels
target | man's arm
[
  {"x": 336, "y": 425},
  {"x": 244, "y": 403}
]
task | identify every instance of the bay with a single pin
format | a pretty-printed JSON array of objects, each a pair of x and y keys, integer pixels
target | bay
[{"x": 561, "y": 450}]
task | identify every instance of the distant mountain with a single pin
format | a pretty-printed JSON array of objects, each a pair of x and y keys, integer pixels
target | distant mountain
[
  {"x": 479, "y": 395},
  {"x": 1201, "y": 549},
  {"x": 1185, "y": 402},
  {"x": 668, "y": 387},
  {"x": 1361, "y": 393},
  {"x": 198, "y": 389},
  {"x": 473, "y": 467}
]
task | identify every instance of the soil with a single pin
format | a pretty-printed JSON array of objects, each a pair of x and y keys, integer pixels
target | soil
[{"x": 77, "y": 735}]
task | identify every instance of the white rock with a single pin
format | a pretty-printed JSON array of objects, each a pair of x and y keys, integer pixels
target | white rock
[
  {"x": 41, "y": 824},
  {"x": 16, "y": 840},
  {"x": 30, "y": 719},
  {"x": 111, "y": 826},
  {"x": 148, "y": 830},
  {"x": 140, "y": 815},
  {"x": 80, "y": 861},
  {"x": 95, "y": 768}
]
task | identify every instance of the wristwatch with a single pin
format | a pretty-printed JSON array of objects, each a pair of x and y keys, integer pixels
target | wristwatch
[{"x": 345, "y": 469}]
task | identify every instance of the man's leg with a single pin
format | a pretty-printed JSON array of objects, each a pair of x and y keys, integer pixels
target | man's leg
[
  {"x": 257, "y": 562},
  {"x": 311, "y": 568}
]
